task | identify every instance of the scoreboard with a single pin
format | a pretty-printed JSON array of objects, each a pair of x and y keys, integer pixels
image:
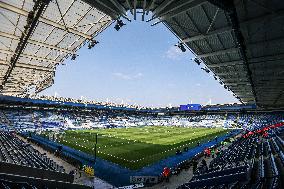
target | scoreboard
[{"x": 190, "y": 107}]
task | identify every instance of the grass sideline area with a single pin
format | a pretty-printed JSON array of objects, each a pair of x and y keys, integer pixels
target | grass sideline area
[{"x": 137, "y": 147}]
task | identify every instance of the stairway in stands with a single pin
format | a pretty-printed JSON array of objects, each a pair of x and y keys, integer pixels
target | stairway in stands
[{"x": 5, "y": 123}]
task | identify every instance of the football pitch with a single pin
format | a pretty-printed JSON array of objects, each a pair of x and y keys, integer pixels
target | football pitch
[{"x": 137, "y": 147}]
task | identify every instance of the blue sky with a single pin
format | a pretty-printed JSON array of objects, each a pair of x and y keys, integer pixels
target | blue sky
[{"x": 137, "y": 64}]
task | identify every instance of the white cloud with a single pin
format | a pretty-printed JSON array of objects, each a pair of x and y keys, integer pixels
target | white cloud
[
  {"x": 171, "y": 84},
  {"x": 139, "y": 75},
  {"x": 128, "y": 76},
  {"x": 121, "y": 76},
  {"x": 198, "y": 84},
  {"x": 173, "y": 53}
]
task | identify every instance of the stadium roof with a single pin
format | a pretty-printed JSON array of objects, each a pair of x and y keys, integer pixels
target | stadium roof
[
  {"x": 241, "y": 42},
  {"x": 36, "y": 37}
]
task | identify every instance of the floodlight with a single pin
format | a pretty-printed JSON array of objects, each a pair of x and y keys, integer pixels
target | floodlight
[
  {"x": 181, "y": 46},
  {"x": 206, "y": 70},
  {"x": 118, "y": 25},
  {"x": 74, "y": 56},
  {"x": 92, "y": 44},
  {"x": 197, "y": 61}
]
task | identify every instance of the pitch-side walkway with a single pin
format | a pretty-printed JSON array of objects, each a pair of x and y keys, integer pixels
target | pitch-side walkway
[
  {"x": 184, "y": 176},
  {"x": 83, "y": 179}
]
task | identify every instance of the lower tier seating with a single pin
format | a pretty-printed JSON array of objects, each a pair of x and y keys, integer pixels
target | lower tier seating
[{"x": 254, "y": 162}]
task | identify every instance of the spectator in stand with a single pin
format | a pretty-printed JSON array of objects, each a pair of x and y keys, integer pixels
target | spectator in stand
[
  {"x": 166, "y": 173},
  {"x": 204, "y": 164},
  {"x": 212, "y": 152},
  {"x": 194, "y": 165},
  {"x": 207, "y": 152},
  {"x": 72, "y": 172},
  {"x": 217, "y": 152}
]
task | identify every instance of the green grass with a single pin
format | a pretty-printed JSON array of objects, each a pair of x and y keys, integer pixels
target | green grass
[{"x": 135, "y": 148}]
